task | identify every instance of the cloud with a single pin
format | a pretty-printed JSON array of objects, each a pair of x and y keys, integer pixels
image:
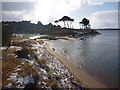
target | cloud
[
  {"x": 11, "y": 15},
  {"x": 95, "y": 3},
  {"x": 41, "y": 10},
  {"x": 45, "y": 9},
  {"x": 105, "y": 19},
  {"x": 38, "y": 0},
  {"x": 19, "y": 0},
  {"x": 17, "y": 11},
  {"x": 16, "y": 15},
  {"x": 17, "y": 6},
  {"x": 50, "y": 10}
]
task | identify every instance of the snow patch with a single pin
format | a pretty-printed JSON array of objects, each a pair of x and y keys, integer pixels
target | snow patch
[
  {"x": 43, "y": 71},
  {"x": 3, "y": 48},
  {"x": 26, "y": 80},
  {"x": 22, "y": 81},
  {"x": 9, "y": 85},
  {"x": 34, "y": 37}
]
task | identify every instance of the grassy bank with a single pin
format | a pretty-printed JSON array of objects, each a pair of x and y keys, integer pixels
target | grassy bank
[
  {"x": 26, "y": 63},
  {"x": 70, "y": 34}
]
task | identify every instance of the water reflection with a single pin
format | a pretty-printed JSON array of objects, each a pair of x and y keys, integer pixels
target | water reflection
[{"x": 98, "y": 56}]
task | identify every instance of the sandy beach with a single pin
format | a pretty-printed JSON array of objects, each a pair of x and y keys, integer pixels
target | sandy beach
[{"x": 84, "y": 77}]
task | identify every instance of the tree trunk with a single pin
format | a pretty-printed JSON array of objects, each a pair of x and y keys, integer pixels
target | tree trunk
[
  {"x": 64, "y": 24},
  {"x": 70, "y": 24},
  {"x": 67, "y": 24}
]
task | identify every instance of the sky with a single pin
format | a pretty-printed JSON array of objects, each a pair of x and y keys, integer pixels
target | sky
[{"x": 101, "y": 13}]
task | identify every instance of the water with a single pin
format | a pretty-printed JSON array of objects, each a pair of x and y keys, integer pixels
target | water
[{"x": 98, "y": 56}]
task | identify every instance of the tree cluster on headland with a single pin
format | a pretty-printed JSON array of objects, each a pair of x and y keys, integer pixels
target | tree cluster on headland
[
  {"x": 26, "y": 27},
  {"x": 84, "y": 24},
  {"x": 67, "y": 21}
]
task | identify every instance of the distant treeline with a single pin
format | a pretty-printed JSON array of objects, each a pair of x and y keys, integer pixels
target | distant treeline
[
  {"x": 108, "y": 29},
  {"x": 27, "y": 27}
]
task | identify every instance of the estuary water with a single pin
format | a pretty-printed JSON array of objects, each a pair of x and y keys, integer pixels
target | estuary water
[{"x": 97, "y": 56}]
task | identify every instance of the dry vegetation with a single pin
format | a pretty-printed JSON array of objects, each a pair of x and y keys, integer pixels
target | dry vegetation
[
  {"x": 17, "y": 38},
  {"x": 42, "y": 62},
  {"x": 8, "y": 52},
  {"x": 40, "y": 42},
  {"x": 27, "y": 69},
  {"x": 9, "y": 62},
  {"x": 28, "y": 54}
]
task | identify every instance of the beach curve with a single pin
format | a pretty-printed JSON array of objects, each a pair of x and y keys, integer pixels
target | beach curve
[{"x": 77, "y": 72}]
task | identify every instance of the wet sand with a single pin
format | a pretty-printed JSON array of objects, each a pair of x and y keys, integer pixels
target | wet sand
[{"x": 84, "y": 77}]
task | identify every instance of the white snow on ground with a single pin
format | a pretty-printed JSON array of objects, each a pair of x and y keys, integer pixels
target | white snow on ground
[
  {"x": 3, "y": 48},
  {"x": 22, "y": 81},
  {"x": 11, "y": 47},
  {"x": 16, "y": 47},
  {"x": 31, "y": 62},
  {"x": 43, "y": 71},
  {"x": 57, "y": 69},
  {"x": 24, "y": 39},
  {"x": 40, "y": 56},
  {"x": 10, "y": 54},
  {"x": 17, "y": 68},
  {"x": 37, "y": 45},
  {"x": 34, "y": 37},
  {"x": 0, "y": 57},
  {"x": 26, "y": 80},
  {"x": 9, "y": 85}
]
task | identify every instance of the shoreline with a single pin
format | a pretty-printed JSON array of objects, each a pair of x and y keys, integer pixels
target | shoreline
[{"x": 84, "y": 77}]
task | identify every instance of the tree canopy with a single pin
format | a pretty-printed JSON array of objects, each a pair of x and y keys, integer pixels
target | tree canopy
[
  {"x": 85, "y": 22},
  {"x": 66, "y": 19}
]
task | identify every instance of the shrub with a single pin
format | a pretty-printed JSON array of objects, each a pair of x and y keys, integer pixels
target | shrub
[
  {"x": 42, "y": 62},
  {"x": 8, "y": 65},
  {"x": 26, "y": 70},
  {"x": 6, "y": 35},
  {"x": 22, "y": 53},
  {"x": 54, "y": 84}
]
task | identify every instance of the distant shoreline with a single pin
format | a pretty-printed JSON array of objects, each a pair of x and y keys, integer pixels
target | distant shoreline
[
  {"x": 99, "y": 29},
  {"x": 84, "y": 77},
  {"x": 106, "y": 29}
]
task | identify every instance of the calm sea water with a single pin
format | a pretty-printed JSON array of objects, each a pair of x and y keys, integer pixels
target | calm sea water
[{"x": 98, "y": 56}]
